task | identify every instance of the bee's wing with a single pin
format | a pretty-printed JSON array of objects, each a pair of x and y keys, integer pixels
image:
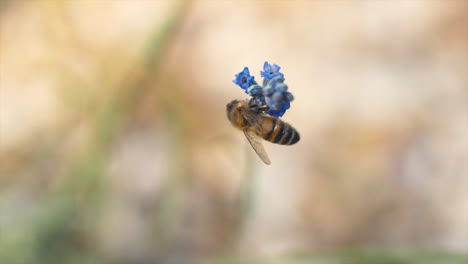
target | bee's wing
[
  {"x": 250, "y": 117},
  {"x": 257, "y": 145}
]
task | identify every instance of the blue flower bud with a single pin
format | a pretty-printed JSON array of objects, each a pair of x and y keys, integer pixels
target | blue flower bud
[
  {"x": 274, "y": 81},
  {"x": 255, "y": 90},
  {"x": 288, "y": 96},
  {"x": 281, "y": 87},
  {"x": 277, "y": 106},
  {"x": 269, "y": 102},
  {"x": 278, "y": 109},
  {"x": 268, "y": 90},
  {"x": 277, "y": 97}
]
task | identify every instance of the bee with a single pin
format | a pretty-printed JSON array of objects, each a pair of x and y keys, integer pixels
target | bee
[{"x": 256, "y": 125}]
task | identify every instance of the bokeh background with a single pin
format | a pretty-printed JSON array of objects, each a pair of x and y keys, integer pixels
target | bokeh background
[{"x": 115, "y": 147}]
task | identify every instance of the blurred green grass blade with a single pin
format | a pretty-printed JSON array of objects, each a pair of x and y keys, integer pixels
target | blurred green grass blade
[{"x": 62, "y": 229}]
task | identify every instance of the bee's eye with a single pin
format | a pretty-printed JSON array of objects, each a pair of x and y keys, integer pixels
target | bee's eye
[{"x": 231, "y": 105}]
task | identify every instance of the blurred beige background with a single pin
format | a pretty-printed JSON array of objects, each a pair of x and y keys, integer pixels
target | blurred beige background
[{"x": 115, "y": 147}]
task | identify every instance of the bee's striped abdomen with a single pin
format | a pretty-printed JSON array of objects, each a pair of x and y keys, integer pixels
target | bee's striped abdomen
[{"x": 282, "y": 133}]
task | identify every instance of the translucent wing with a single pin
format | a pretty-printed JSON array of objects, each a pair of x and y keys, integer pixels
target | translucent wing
[
  {"x": 251, "y": 117},
  {"x": 256, "y": 143}
]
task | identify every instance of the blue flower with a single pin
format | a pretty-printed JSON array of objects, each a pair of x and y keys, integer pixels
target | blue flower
[
  {"x": 277, "y": 98},
  {"x": 272, "y": 97},
  {"x": 270, "y": 71},
  {"x": 279, "y": 110},
  {"x": 243, "y": 79}
]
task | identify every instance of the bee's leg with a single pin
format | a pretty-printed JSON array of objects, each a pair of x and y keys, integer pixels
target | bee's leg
[
  {"x": 262, "y": 108},
  {"x": 257, "y": 106}
]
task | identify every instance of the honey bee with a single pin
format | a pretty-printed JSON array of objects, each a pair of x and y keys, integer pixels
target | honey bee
[{"x": 256, "y": 125}]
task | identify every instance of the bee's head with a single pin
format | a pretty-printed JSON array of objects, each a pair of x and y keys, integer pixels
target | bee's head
[
  {"x": 233, "y": 108},
  {"x": 231, "y": 105}
]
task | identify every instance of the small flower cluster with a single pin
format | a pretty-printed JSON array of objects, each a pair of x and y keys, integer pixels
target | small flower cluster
[{"x": 273, "y": 95}]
